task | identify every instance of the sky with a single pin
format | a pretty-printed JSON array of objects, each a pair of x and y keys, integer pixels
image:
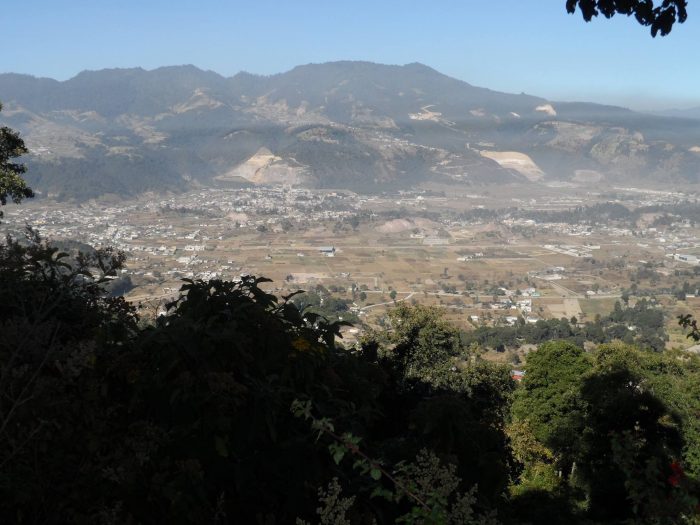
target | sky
[{"x": 530, "y": 46}]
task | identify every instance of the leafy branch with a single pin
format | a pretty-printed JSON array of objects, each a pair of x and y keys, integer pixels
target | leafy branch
[
  {"x": 687, "y": 321},
  {"x": 347, "y": 442}
]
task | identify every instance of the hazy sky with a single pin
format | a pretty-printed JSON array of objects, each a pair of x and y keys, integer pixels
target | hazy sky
[{"x": 509, "y": 45}]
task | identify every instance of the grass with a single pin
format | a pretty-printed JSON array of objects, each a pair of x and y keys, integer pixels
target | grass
[{"x": 592, "y": 307}]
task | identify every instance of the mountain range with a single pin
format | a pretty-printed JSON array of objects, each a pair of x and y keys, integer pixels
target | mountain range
[{"x": 356, "y": 125}]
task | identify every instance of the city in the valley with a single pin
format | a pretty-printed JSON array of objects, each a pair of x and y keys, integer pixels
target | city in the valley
[{"x": 491, "y": 257}]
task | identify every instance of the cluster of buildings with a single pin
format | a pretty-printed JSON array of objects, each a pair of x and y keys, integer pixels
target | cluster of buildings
[
  {"x": 174, "y": 235},
  {"x": 202, "y": 233}
]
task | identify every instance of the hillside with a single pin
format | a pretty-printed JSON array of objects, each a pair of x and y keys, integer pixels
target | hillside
[{"x": 356, "y": 125}]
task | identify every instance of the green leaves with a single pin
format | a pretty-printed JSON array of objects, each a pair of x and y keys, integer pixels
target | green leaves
[
  {"x": 12, "y": 185},
  {"x": 611, "y": 422},
  {"x": 688, "y": 322},
  {"x": 301, "y": 409},
  {"x": 337, "y": 451},
  {"x": 423, "y": 341}
]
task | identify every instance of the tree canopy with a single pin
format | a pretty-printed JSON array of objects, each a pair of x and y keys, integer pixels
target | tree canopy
[
  {"x": 617, "y": 424},
  {"x": 12, "y": 185},
  {"x": 660, "y": 17}
]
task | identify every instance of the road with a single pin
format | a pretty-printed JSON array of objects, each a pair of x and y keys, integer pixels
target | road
[{"x": 364, "y": 308}]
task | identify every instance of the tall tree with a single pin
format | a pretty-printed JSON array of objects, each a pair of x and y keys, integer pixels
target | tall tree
[
  {"x": 550, "y": 399},
  {"x": 12, "y": 185}
]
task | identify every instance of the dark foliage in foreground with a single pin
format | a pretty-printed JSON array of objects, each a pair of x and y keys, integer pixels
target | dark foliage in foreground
[{"x": 188, "y": 420}]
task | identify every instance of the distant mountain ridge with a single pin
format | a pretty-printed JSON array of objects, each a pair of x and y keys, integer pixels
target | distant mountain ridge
[
  {"x": 356, "y": 125},
  {"x": 693, "y": 113}
]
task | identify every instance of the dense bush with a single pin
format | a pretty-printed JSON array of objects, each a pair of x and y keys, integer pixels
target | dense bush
[{"x": 189, "y": 421}]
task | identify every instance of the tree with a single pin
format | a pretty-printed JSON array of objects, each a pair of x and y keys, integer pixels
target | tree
[
  {"x": 12, "y": 185},
  {"x": 632, "y": 436},
  {"x": 286, "y": 225},
  {"x": 58, "y": 322},
  {"x": 620, "y": 428},
  {"x": 550, "y": 400},
  {"x": 625, "y": 298},
  {"x": 457, "y": 406},
  {"x": 423, "y": 341},
  {"x": 660, "y": 18},
  {"x": 392, "y": 294}
]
